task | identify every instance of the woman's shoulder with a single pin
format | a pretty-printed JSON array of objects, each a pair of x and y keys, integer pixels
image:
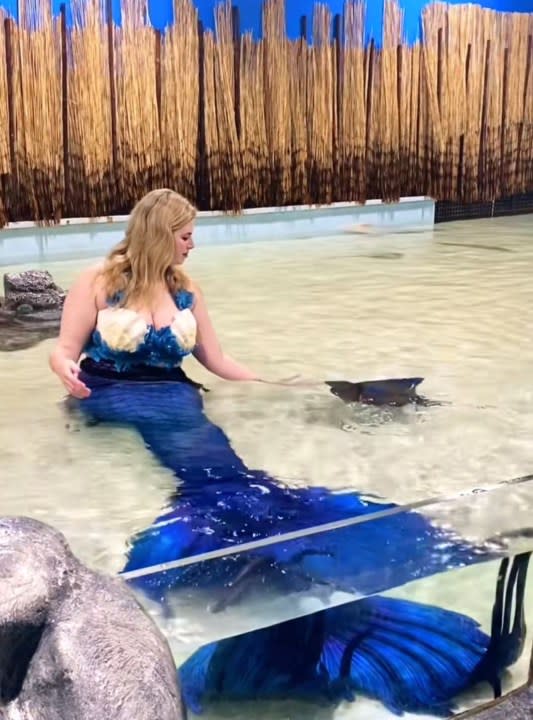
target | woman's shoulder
[
  {"x": 192, "y": 287},
  {"x": 88, "y": 277},
  {"x": 90, "y": 281}
]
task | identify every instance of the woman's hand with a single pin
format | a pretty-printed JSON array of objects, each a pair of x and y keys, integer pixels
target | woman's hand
[
  {"x": 78, "y": 320},
  {"x": 68, "y": 372}
]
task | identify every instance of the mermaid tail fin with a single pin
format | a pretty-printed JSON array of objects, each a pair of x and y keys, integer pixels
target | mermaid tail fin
[
  {"x": 507, "y": 636},
  {"x": 417, "y": 657},
  {"x": 271, "y": 663},
  {"x": 411, "y": 657},
  {"x": 395, "y": 392}
]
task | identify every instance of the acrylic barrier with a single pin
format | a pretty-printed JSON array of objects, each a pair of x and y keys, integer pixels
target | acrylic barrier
[{"x": 422, "y": 608}]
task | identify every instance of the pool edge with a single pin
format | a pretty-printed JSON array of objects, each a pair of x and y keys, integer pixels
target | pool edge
[{"x": 248, "y": 212}]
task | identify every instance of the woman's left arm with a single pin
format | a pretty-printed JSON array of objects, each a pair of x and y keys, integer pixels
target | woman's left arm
[{"x": 208, "y": 351}]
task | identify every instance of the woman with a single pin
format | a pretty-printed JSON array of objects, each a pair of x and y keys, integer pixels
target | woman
[
  {"x": 133, "y": 319},
  {"x": 139, "y": 309}
]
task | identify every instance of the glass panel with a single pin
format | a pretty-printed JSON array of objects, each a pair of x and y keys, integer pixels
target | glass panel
[{"x": 384, "y": 608}]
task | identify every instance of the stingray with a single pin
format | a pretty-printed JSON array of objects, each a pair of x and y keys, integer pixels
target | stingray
[{"x": 390, "y": 392}]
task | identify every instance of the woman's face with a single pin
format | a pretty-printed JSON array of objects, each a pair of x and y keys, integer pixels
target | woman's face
[{"x": 184, "y": 243}]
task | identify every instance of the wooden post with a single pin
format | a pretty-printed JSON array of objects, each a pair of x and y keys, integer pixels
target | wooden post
[
  {"x": 419, "y": 175},
  {"x": 158, "y": 76},
  {"x": 529, "y": 63},
  {"x": 399, "y": 71},
  {"x": 202, "y": 191},
  {"x": 439, "y": 70},
  {"x": 339, "y": 57},
  {"x": 64, "y": 101},
  {"x": 370, "y": 80},
  {"x": 467, "y": 66},
  {"x": 112, "y": 87},
  {"x": 8, "y": 25},
  {"x": 337, "y": 108},
  {"x": 460, "y": 169},
  {"x": 236, "y": 26},
  {"x": 482, "y": 142},
  {"x": 503, "y": 154}
]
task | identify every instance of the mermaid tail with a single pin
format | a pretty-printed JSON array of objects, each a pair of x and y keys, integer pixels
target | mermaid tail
[
  {"x": 373, "y": 556},
  {"x": 407, "y": 655},
  {"x": 410, "y": 656},
  {"x": 220, "y": 503}
]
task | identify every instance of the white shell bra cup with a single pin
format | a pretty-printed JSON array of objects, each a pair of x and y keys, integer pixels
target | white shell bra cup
[{"x": 125, "y": 340}]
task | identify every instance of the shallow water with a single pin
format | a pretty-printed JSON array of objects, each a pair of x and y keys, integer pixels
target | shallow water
[
  {"x": 453, "y": 305},
  {"x": 336, "y": 307}
]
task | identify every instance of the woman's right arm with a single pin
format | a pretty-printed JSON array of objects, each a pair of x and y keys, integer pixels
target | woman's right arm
[{"x": 77, "y": 322}]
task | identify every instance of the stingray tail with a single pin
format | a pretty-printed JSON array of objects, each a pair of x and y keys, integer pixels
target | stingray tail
[{"x": 412, "y": 657}]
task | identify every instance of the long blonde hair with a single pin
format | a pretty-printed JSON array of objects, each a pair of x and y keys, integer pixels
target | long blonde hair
[{"x": 145, "y": 257}]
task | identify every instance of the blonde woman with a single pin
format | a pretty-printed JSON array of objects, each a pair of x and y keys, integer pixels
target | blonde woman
[
  {"x": 139, "y": 310},
  {"x": 133, "y": 320}
]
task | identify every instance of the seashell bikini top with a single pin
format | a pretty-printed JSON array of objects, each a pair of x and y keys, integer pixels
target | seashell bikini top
[{"x": 124, "y": 340}]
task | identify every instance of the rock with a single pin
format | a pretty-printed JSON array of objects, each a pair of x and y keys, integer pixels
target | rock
[
  {"x": 32, "y": 287},
  {"x": 38, "y": 301},
  {"x": 31, "y": 309},
  {"x": 29, "y": 281},
  {"x": 75, "y": 644}
]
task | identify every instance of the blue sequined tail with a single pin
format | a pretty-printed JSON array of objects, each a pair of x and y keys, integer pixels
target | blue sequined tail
[
  {"x": 410, "y": 656},
  {"x": 219, "y": 503},
  {"x": 370, "y": 647}
]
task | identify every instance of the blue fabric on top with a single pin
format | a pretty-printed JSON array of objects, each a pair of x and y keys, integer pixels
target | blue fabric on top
[
  {"x": 406, "y": 655},
  {"x": 159, "y": 347}
]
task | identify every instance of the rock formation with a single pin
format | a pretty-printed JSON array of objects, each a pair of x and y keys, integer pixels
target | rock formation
[
  {"x": 30, "y": 310},
  {"x": 75, "y": 644}
]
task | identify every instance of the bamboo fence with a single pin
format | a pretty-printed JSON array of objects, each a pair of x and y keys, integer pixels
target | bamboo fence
[{"x": 94, "y": 115}]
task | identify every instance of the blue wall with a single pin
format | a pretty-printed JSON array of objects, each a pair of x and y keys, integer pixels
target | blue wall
[{"x": 250, "y": 12}]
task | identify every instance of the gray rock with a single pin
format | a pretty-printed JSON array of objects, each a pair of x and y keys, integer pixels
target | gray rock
[
  {"x": 75, "y": 644},
  {"x": 32, "y": 287},
  {"x": 38, "y": 281},
  {"x": 38, "y": 301},
  {"x": 31, "y": 309}
]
